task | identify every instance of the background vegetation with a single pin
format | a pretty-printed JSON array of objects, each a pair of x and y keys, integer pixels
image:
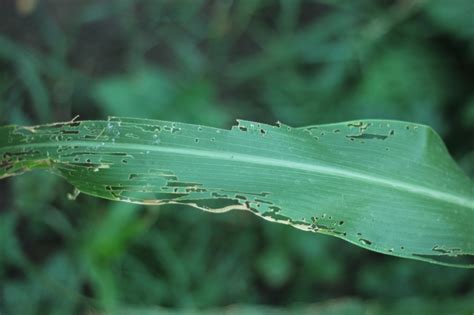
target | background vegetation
[{"x": 208, "y": 62}]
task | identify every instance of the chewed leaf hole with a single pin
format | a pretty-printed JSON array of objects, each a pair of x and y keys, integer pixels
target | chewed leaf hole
[
  {"x": 460, "y": 260},
  {"x": 365, "y": 241}
]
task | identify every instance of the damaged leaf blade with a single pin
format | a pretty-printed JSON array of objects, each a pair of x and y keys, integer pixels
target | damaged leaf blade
[{"x": 387, "y": 186}]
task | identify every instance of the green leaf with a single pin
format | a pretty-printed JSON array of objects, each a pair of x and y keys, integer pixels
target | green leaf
[{"x": 387, "y": 186}]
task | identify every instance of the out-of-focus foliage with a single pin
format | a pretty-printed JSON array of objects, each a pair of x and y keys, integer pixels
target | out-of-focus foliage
[{"x": 300, "y": 62}]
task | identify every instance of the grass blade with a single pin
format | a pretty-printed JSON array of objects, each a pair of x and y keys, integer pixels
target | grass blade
[{"x": 387, "y": 186}]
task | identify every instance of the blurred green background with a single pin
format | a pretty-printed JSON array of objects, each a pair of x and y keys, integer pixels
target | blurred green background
[{"x": 209, "y": 62}]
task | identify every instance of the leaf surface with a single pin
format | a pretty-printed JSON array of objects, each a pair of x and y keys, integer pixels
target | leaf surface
[{"x": 387, "y": 186}]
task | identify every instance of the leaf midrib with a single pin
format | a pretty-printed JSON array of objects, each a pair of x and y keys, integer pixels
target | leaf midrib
[{"x": 267, "y": 161}]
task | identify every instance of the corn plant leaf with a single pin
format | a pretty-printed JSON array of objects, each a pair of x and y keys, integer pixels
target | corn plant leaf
[{"x": 387, "y": 186}]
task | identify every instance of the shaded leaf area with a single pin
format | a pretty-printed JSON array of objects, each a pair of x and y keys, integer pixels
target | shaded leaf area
[{"x": 387, "y": 186}]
